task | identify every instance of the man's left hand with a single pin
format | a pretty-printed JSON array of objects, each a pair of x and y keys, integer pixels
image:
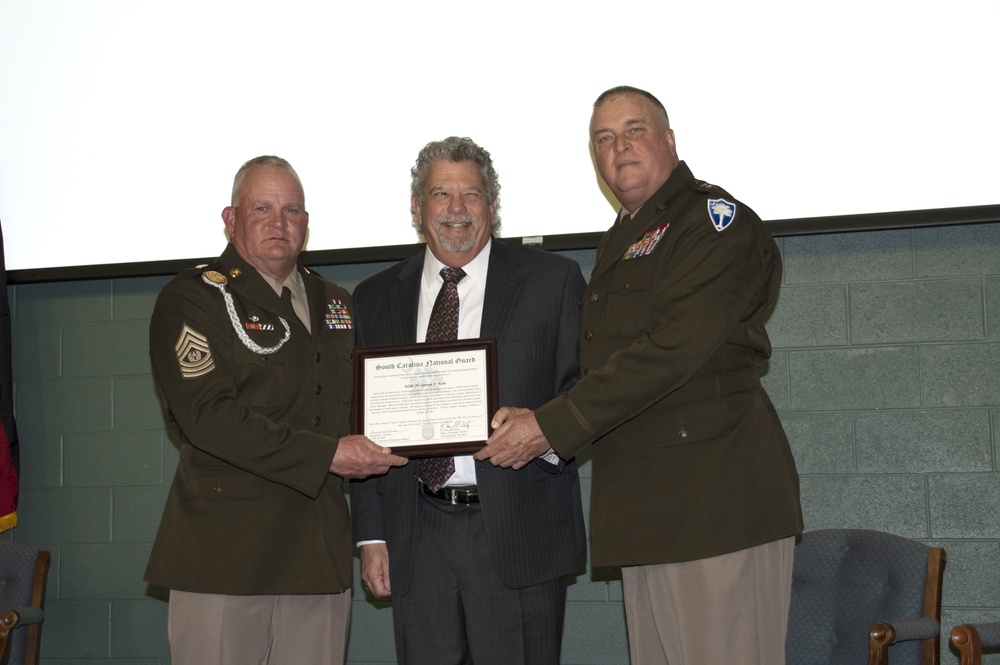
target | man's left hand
[{"x": 516, "y": 439}]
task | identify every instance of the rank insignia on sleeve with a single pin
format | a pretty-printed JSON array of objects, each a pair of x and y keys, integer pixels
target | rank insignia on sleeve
[
  {"x": 338, "y": 317},
  {"x": 722, "y": 213},
  {"x": 193, "y": 354},
  {"x": 646, "y": 244}
]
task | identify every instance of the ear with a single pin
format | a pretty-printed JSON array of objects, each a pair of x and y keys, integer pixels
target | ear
[
  {"x": 669, "y": 136},
  {"x": 229, "y": 219},
  {"x": 415, "y": 207}
]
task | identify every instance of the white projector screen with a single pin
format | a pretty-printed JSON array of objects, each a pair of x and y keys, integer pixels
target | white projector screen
[{"x": 122, "y": 122}]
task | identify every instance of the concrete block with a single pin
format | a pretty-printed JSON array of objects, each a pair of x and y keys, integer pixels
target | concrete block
[
  {"x": 136, "y": 404},
  {"x": 919, "y": 441},
  {"x": 134, "y": 298},
  {"x": 136, "y": 511},
  {"x": 809, "y": 316},
  {"x": 36, "y": 352},
  {"x": 595, "y": 634},
  {"x": 893, "y": 503},
  {"x": 41, "y": 460},
  {"x": 960, "y": 374},
  {"x": 821, "y": 442},
  {"x": 65, "y": 515},
  {"x": 107, "y": 459},
  {"x": 76, "y": 629},
  {"x": 110, "y": 571},
  {"x": 964, "y": 505},
  {"x": 947, "y": 251},
  {"x": 848, "y": 257},
  {"x": 972, "y": 573},
  {"x": 858, "y": 378},
  {"x": 925, "y": 311},
  {"x": 111, "y": 348},
  {"x": 139, "y": 630},
  {"x": 63, "y": 405}
]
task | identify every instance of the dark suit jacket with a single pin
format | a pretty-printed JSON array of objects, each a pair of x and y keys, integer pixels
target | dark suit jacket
[
  {"x": 253, "y": 508},
  {"x": 533, "y": 516},
  {"x": 690, "y": 460}
]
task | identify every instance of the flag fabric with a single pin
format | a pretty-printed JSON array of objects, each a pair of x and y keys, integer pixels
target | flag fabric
[{"x": 9, "y": 453}]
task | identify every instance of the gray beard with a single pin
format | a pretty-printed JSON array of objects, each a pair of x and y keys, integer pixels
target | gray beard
[{"x": 451, "y": 246}]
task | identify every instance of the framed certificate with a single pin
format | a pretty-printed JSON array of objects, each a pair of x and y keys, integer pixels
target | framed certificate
[{"x": 426, "y": 400}]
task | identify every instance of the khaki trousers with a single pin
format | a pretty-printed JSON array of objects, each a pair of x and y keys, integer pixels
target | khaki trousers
[
  {"x": 213, "y": 629},
  {"x": 726, "y": 610}
]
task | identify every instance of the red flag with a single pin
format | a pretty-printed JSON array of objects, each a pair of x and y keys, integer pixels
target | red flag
[
  {"x": 8, "y": 485},
  {"x": 8, "y": 429}
]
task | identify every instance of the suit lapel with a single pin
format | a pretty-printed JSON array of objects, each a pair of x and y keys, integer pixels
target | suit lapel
[
  {"x": 503, "y": 283},
  {"x": 404, "y": 296}
]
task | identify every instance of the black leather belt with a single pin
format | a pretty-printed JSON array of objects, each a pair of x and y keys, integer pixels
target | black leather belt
[{"x": 454, "y": 495}]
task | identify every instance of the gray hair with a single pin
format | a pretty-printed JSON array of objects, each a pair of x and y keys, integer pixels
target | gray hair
[
  {"x": 263, "y": 160},
  {"x": 456, "y": 149},
  {"x": 628, "y": 91}
]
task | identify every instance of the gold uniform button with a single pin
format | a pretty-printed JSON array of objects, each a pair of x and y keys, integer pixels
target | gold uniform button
[
  {"x": 588, "y": 335},
  {"x": 586, "y": 371},
  {"x": 235, "y": 272},
  {"x": 317, "y": 421},
  {"x": 593, "y": 297},
  {"x": 683, "y": 433}
]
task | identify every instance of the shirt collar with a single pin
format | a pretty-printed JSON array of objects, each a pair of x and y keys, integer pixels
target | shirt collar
[{"x": 475, "y": 269}]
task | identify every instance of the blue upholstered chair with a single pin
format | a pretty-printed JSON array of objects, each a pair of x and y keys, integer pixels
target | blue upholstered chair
[
  {"x": 971, "y": 638},
  {"x": 856, "y": 592},
  {"x": 23, "y": 575}
]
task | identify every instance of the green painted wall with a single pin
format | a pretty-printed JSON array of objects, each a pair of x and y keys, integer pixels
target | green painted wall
[{"x": 886, "y": 374}]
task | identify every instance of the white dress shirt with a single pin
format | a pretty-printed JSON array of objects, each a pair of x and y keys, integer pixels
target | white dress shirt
[{"x": 471, "y": 294}]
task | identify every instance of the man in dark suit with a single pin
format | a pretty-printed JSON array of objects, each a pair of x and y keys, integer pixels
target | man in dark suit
[
  {"x": 476, "y": 566},
  {"x": 251, "y": 354},
  {"x": 695, "y": 492}
]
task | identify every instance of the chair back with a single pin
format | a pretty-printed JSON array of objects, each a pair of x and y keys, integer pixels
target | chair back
[
  {"x": 844, "y": 580},
  {"x": 23, "y": 575}
]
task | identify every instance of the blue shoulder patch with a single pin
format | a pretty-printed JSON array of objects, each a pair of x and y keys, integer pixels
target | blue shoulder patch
[{"x": 721, "y": 212}]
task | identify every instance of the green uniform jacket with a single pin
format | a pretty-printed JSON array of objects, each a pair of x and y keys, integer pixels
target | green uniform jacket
[
  {"x": 253, "y": 508},
  {"x": 690, "y": 460}
]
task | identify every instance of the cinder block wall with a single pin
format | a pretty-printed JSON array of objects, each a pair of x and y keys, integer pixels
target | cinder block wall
[{"x": 886, "y": 374}]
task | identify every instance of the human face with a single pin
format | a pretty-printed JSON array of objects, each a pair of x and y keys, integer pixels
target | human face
[
  {"x": 454, "y": 216},
  {"x": 634, "y": 148},
  {"x": 268, "y": 227}
]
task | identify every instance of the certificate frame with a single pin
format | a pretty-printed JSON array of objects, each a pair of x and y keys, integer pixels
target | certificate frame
[{"x": 426, "y": 400}]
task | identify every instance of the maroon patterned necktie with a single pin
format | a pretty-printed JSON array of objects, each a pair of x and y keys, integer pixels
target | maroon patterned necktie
[{"x": 443, "y": 327}]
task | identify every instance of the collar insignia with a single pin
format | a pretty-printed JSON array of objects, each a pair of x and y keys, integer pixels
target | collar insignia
[{"x": 215, "y": 277}]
